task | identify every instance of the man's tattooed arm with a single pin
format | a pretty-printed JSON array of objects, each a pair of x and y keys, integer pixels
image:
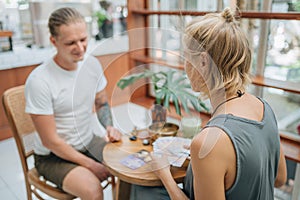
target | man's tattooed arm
[{"x": 103, "y": 109}]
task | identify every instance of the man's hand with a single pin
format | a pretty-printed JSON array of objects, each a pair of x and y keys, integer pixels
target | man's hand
[
  {"x": 99, "y": 170},
  {"x": 113, "y": 134}
]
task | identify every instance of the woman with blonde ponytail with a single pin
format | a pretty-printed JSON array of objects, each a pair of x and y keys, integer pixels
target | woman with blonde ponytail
[{"x": 237, "y": 155}]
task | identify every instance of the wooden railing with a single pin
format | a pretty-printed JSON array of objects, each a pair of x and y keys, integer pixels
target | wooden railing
[
  {"x": 243, "y": 14},
  {"x": 256, "y": 80}
]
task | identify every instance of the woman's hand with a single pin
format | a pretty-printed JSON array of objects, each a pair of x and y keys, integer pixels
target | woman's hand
[
  {"x": 161, "y": 167},
  {"x": 160, "y": 164}
]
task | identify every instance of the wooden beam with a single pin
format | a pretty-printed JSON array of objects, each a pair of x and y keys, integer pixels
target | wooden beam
[
  {"x": 6, "y": 33},
  {"x": 243, "y": 14}
]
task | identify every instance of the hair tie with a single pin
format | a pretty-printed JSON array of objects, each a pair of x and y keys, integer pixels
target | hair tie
[{"x": 240, "y": 93}]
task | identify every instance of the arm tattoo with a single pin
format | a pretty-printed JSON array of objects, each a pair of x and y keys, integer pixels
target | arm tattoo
[
  {"x": 104, "y": 115},
  {"x": 103, "y": 109}
]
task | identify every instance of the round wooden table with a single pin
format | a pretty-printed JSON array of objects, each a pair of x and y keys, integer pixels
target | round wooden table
[{"x": 113, "y": 153}]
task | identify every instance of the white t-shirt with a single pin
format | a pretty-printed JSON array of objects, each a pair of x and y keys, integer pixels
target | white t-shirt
[{"x": 69, "y": 96}]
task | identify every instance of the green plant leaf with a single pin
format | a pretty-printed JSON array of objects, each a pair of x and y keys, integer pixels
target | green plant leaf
[
  {"x": 159, "y": 95},
  {"x": 203, "y": 105},
  {"x": 168, "y": 87},
  {"x": 184, "y": 101},
  {"x": 167, "y": 101},
  {"x": 100, "y": 16},
  {"x": 176, "y": 104},
  {"x": 129, "y": 80}
]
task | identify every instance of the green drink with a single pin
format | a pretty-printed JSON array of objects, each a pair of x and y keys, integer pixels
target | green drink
[{"x": 190, "y": 126}]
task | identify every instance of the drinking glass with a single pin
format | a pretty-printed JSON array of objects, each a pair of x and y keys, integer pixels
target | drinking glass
[{"x": 190, "y": 126}]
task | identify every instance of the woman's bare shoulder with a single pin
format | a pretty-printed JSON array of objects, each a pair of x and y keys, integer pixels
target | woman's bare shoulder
[{"x": 210, "y": 139}]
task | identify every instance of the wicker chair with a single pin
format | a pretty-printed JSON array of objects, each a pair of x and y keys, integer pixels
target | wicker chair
[{"x": 23, "y": 130}]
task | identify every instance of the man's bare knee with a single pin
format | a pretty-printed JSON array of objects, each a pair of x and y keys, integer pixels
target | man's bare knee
[{"x": 82, "y": 183}]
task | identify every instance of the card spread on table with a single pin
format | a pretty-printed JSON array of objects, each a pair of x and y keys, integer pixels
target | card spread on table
[
  {"x": 174, "y": 148},
  {"x": 136, "y": 160}
]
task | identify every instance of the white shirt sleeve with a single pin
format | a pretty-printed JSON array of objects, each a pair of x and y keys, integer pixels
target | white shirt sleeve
[
  {"x": 102, "y": 82},
  {"x": 38, "y": 96}
]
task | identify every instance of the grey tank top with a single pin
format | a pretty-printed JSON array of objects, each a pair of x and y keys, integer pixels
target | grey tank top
[{"x": 257, "y": 148}]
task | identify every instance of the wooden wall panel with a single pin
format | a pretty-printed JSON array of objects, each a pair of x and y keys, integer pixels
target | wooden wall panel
[
  {"x": 7, "y": 80},
  {"x": 115, "y": 66},
  {"x": 137, "y": 27},
  {"x": 11, "y": 78}
]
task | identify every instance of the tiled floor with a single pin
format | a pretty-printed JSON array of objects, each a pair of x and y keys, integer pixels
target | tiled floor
[{"x": 12, "y": 185}]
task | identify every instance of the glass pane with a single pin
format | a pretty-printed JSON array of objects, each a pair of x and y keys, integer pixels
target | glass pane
[
  {"x": 184, "y": 5},
  {"x": 256, "y": 6},
  {"x": 283, "y": 54},
  {"x": 286, "y": 107},
  {"x": 166, "y": 36},
  {"x": 282, "y": 57}
]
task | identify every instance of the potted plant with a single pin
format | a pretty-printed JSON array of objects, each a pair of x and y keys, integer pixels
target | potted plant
[
  {"x": 104, "y": 20},
  {"x": 168, "y": 88}
]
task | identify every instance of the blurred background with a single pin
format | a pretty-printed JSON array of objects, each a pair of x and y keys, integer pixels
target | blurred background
[{"x": 27, "y": 19}]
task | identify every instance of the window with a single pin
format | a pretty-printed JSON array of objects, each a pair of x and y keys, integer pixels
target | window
[{"x": 273, "y": 34}]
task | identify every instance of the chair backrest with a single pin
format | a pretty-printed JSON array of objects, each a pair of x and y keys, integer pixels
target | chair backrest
[{"x": 20, "y": 122}]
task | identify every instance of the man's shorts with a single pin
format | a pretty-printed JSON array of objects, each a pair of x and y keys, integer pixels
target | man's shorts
[{"x": 54, "y": 169}]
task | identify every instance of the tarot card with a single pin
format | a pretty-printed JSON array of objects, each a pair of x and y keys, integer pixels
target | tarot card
[
  {"x": 137, "y": 160},
  {"x": 132, "y": 161},
  {"x": 144, "y": 155}
]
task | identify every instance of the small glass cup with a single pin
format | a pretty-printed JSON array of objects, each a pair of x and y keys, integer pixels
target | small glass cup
[{"x": 190, "y": 126}]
